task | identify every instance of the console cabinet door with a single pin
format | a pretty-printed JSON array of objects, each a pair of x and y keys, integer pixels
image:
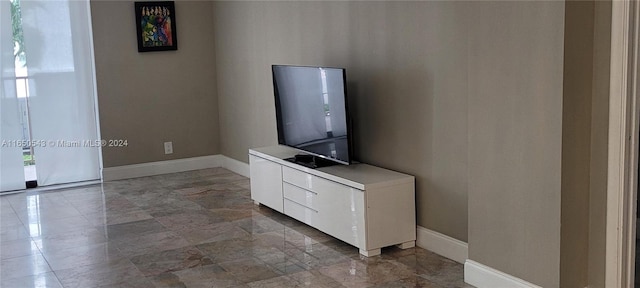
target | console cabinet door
[
  {"x": 266, "y": 182},
  {"x": 341, "y": 212}
]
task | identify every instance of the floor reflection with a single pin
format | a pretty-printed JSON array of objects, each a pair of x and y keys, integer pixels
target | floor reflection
[
  {"x": 192, "y": 229},
  {"x": 33, "y": 215}
]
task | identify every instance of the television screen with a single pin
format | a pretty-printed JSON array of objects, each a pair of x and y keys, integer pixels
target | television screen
[{"x": 311, "y": 110}]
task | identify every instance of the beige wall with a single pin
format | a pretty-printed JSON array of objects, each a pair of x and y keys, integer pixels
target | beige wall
[
  {"x": 407, "y": 71},
  {"x": 599, "y": 136},
  {"x": 150, "y": 98},
  {"x": 515, "y": 138},
  {"x": 576, "y": 142}
]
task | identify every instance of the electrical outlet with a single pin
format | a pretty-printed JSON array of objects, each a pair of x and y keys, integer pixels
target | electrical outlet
[{"x": 168, "y": 147}]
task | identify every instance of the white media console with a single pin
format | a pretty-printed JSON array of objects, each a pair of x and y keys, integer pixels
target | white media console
[{"x": 363, "y": 205}]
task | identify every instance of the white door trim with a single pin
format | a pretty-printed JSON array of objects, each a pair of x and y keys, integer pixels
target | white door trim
[{"x": 623, "y": 138}]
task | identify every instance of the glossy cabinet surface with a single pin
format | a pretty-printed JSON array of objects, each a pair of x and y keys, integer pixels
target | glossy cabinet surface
[{"x": 263, "y": 188}]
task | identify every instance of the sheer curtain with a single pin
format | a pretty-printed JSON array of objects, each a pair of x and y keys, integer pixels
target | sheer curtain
[
  {"x": 11, "y": 164},
  {"x": 57, "y": 36}
]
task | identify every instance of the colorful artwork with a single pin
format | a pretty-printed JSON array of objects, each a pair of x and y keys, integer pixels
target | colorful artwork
[{"x": 156, "y": 26}]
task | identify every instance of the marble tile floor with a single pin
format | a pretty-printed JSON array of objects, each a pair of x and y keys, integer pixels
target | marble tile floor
[{"x": 191, "y": 229}]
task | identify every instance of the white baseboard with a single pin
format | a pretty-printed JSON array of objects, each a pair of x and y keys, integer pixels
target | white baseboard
[
  {"x": 483, "y": 276},
  {"x": 235, "y": 166},
  {"x": 162, "y": 167},
  {"x": 441, "y": 244}
]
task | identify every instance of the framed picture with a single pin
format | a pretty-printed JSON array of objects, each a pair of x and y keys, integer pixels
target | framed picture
[{"x": 156, "y": 26}]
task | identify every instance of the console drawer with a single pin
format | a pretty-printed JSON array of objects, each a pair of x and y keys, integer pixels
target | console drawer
[
  {"x": 301, "y": 213},
  {"x": 310, "y": 182},
  {"x": 300, "y": 196},
  {"x": 297, "y": 178}
]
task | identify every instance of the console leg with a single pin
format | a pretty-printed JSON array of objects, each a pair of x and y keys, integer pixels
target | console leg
[
  {"x": 370, "y": 253},
  {"x": 256, "y": 202},
  {"x": 407, "y": 245}
]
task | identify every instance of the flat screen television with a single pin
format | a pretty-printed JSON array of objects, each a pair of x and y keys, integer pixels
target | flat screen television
[{"x": 312, "y": 113}]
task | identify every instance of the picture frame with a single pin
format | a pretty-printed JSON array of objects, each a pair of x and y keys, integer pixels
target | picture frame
[{"x": 156, "y": 26}]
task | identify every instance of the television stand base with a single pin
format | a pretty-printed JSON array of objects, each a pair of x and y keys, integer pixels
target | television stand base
[{"x": 311, "y": 161}]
